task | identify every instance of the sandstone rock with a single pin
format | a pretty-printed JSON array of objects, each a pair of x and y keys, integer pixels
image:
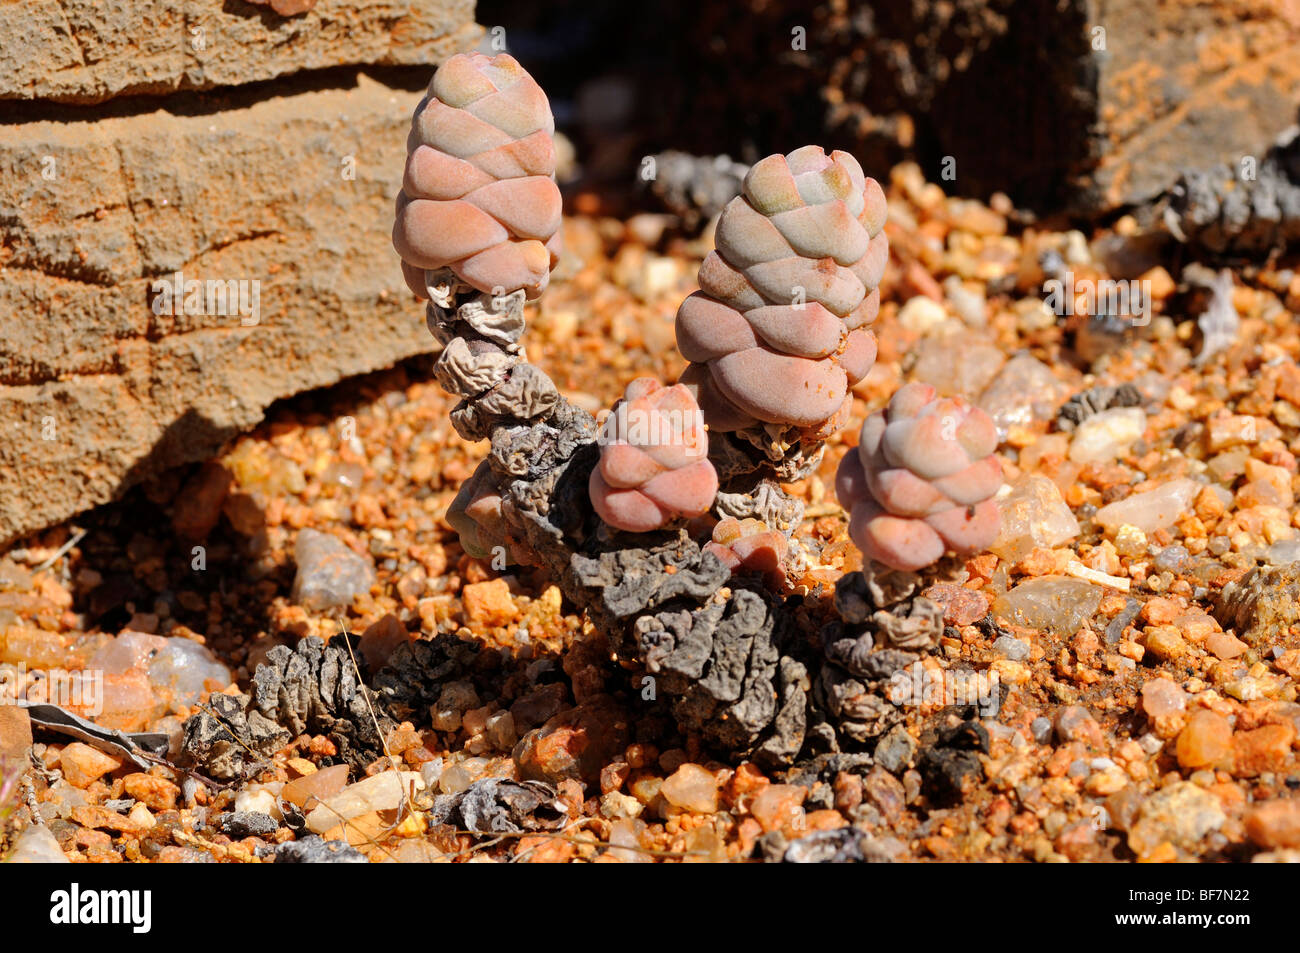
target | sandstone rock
[
  {"x": 1205, "y": 742},
  {"x": 1179, "y": 814},
  {"x": 1274, "y": 823},
  {"x": 85, "y": 51},
  {"x": 294, "y": 192},
  {"x": 83, "y": 764},
  {"x": 15, "y": 732}
]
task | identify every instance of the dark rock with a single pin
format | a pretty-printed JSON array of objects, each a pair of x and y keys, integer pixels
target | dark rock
[
  {"x": 947, "y": 774},
  {"x": 895, "y": 750},
  {"x": 242, "y": 824},
  {"x": 1093, "y": 401},
  {"x": 315, "y": 850}
]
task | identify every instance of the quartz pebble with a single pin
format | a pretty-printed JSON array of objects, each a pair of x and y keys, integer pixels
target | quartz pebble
[
  {"x": 381, "y": 792},
  {"x": 692, "y": 788},
  {"x": 1162, "y": 698},
  {"x": 1150, "y": 510},
  {"x": 1180, "y": 814},
  {"x": 82, "y": 764},
  {"x": 957, "y": 364},
  {"x": 1034, "y": 516},
  {"x": 182, "y": 668},
  {"x": 1106, "y": 436},
  {"x": 1012, "y": 648},
  {"x": 1024, "y": 391},
  {"x": 1056, "y": 603},
  {"x": 322, "y": 784},
  {"x": 778, "y": 806},
  {"x": 330, "y": 575},
  {"x": 36, "y": 845},
  {"x": 1205, "y": 742}
]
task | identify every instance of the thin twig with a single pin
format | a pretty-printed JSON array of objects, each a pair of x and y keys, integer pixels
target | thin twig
[{"x": 78, "y": 535}]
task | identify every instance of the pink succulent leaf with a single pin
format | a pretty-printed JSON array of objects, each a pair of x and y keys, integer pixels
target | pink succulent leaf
[{"x": 750, "y": 546}]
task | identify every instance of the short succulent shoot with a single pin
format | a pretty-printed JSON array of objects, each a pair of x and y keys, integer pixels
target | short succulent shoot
[
  {"x": 921, "y": 481},
  {"x": 778, "y": 332},
  {"x": 478, "y": 195},
  {"x": 654, "y": 466}
]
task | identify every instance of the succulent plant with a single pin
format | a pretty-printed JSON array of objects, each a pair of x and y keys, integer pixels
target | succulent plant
[
  {"x": 749, "y": 545},
  {"x": 921, "y": 480},
  {"x": 478, "y": 195},
  {"x": 779, "y": 329},
  {"x": 654, "y": 466}
]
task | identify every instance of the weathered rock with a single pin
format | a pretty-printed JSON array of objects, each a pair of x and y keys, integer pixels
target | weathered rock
[
  {"x": 1180, "y": 814},
  {"x": 98, "y": 388},
  {"x": 1262, "y": 605},
  {"x": 82, "y": 51}
]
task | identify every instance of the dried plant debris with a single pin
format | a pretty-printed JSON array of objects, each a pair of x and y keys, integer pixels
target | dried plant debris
[
  {"x": 1095, "y": 400},
  {"x": 311, "y": 689},
  {"x": 313, "y": 849},
  {"x": 1219, "y": 323},
  {"x": 695, "y": 188},
  {"x": 496, "y": 806},
  {"x": 1251, "y": 208},
  {"x": 143, "y": 749}
]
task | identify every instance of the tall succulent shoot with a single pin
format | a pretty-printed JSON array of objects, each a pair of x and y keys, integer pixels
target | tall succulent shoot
[
  {"x": 921, "y": 480},
  {"x": 479, "y": 196},
  {"x": 778, "y": 332},
  {"x": 477, "y": 229}
]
